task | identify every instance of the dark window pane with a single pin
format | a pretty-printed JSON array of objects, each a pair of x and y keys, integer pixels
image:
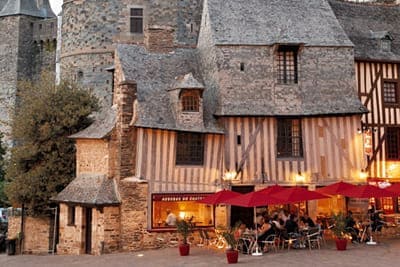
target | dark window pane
[
  {"x": 390, "y": 92},
  {"x": 289, "y": 143},
  {"x": 190, "y": 103},
  {"x": 190, "y": 149},
  {"x": 136, "y": 20},
  {"x": 137, "y": 12},
  {"x": 392, "y": 143},
  {"x": 287, "y": 64}
]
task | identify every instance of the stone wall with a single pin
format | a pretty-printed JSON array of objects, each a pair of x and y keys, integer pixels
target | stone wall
[
  {"x": 71, "y": 237},
  {"x": 105, "y": 230},
  {"x": 8, "y": 69},
  {"x": 20, "y": 58},
  {"x": 92, "y": 156},
  {"x": 37, "y": 233},
  {"x": 90, "y": 30},
  {"x": 328, "y": 69},
  {"x": 134, "y": 216}
]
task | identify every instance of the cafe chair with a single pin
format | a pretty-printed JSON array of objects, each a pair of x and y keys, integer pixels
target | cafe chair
[
  {"x": 313, "y": 238},
  {"x": 270, "y": 243}
]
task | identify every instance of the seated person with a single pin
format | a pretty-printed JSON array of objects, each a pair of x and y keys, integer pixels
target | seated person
[
  {"x": 275, "y": 222},
  {"x": 350, "y": 224},
  {"x": 263, "y": 232},
  {"x": 291, "y": 224},
  {"x": 308, "y": 222}
]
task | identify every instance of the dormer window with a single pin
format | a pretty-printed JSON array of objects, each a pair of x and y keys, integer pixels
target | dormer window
[{"x": 190, "y": 102}]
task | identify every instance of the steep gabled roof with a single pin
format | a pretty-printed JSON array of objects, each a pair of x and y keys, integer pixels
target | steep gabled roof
[
  {"x": 155, "y": 75},
  {"x": 102, "y": 126},
  {"x": 90, "y": 189},
  {"x": 266, "y": 22},
  {"x": 362, "y": 23},
  {"x": 21, "y": 7}
]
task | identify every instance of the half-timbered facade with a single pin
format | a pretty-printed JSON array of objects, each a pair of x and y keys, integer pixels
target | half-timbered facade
[
  {"x": 374, "y": 30},
  {"x": 259, "y": 104}
]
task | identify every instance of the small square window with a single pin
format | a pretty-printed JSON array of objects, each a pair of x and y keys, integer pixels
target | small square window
[
  {"x": 390, "y": 93},
  {"x": 190, "y": 149},
  {"x": 190, "y": 103}
]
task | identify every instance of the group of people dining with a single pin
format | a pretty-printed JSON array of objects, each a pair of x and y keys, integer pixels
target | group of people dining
[{"x": 281, "y": 225}]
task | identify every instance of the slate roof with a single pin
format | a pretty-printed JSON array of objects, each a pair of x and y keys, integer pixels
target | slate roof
[
  {"x": 46, "y": 10},
  {"x": 103, "y": 124},
  {"x": 187, "y": 81},
  {"x": 90, "y": 189},
  {"x": 266, "y": 22},
  {"x": 362, "y": 23},
  {"x": 21, "y": 7},
  {"x": 2, "y": 3},
  {"x": 155, "y": 74}
]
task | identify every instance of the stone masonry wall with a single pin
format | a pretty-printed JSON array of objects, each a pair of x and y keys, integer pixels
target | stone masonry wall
[
  {"x": 324, "y": 68},
  {"x": 134, "y": 216},
  {"x": 36, "y": 233},
  {"x": 91, "y": 28},
  {"x": 71, "y": 236},
  {"x": 92, "y": 156},
  {"x": 105, "y": 230},
  {"x": 8, "y": 69}
]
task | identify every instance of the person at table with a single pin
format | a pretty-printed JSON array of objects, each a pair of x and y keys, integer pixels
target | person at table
[
  {"x": 291, "y": 225},
  {"x": 171, "y": 218},
  {"x": 351, "y": 224},
  {"x": 276, "y": 222},
  {"x": 308, "y": 222},
  {"x": 264, "y": 231}
]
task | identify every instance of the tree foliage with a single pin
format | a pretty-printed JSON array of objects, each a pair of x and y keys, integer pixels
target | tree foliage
[{"x": 42, "y": 161}]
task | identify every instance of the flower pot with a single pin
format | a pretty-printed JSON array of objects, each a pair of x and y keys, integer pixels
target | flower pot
[
  {"x": 232, "y": 256},
  {"x": 184, "y": 249},
  {"x": 341, "y": 244}
]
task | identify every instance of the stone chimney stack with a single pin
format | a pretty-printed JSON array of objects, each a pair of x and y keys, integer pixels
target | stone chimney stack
[{"x": 159, "y": 39}]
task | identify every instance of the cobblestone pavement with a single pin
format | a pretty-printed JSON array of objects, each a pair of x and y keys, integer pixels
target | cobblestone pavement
[{"x": 385, "y": 253}]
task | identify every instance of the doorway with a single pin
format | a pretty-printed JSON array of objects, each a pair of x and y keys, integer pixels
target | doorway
[
  {"x": 242, "y": 214},
  {"x": 88, "y": 230}
]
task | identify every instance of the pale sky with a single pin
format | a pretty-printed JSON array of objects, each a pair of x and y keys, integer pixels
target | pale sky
[{"x": 56, "y": 5}]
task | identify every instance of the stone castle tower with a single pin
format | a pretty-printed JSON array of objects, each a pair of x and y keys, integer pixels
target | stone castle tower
[
  {"x": 91, "y": 29},
  {"x": 27, "y": 47}
]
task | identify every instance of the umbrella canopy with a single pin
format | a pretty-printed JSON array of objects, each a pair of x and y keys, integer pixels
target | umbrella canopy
[
  {"x": 257, "y": 198},
  {"x": 219, "y": 197},
  {"x": 297, "y": 194},
  {"x": 336, "y": 188},
  {"x": 395, "y": 188},
  {"x": 367, "y": 191}
]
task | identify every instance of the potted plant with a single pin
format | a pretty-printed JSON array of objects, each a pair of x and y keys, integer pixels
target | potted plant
[
  {"x": 184, "y": 228},
  {"x": 232, "y": 254},
  {"x": 339, "y": 231}
]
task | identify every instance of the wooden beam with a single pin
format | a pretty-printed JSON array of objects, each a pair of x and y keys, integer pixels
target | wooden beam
[{"x": 374, "y": 85}]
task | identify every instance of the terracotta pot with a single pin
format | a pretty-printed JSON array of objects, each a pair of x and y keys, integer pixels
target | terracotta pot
[
  {"x": 184, "y": 249},
  {"x": 232, "y": 256},
  {"x": 341, "y": 244}
]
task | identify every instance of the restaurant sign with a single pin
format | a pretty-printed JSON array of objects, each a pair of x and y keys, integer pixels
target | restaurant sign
[
  {"x": 179, "y": 197},
  {"x": 368, "y": 142}
]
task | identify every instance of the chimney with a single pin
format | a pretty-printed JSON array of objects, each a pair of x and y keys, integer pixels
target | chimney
[{"x": 159, "y": 39}]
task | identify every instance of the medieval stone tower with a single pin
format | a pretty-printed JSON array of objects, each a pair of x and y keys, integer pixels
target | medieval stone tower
[
  {"x": 91, "y": 29},
  {"x": 27, "y": 47}
]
